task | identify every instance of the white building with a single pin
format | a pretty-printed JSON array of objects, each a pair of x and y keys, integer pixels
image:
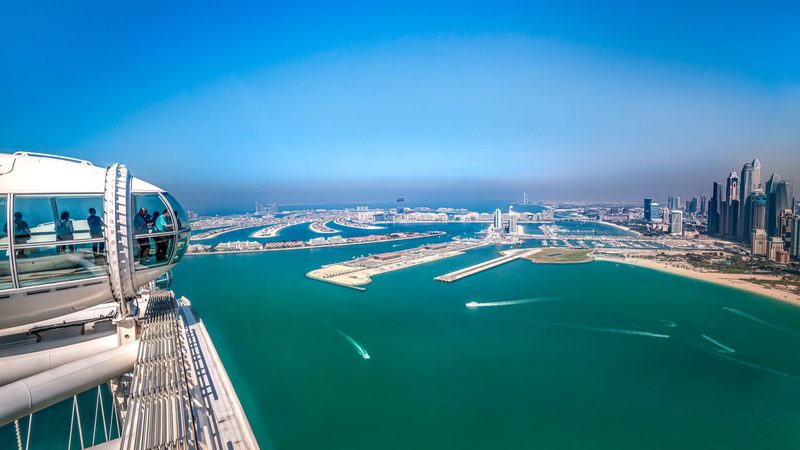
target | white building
[
  {"x": 676, "y": 222},
  {"x": 498, "y": 220}
]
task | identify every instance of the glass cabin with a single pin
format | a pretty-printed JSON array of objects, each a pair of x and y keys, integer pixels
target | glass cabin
[{"x": 59, "y": 238}]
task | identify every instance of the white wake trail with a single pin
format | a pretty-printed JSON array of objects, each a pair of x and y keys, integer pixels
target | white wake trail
[
  {"x": 722, "y": 347},
  {"x": 667, "y": 323},
  {"x": 762, "y": 322},
  {"x": 618, "y": 331},
  {"x": 361, "y": 350},
  {"x": 521, "y": 301}
]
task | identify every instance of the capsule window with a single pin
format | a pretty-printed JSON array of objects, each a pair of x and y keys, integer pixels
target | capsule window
[
  {"x": 180, "y": 214},
  {"x": 150, "y": 215},
  {"x": 57, "y": 263},
  {"x": 153, "y": 250},
  {"x": 5, "y": 268},
  {"x": 46, "y": 218},
  {"x": 181, "y": 247}
]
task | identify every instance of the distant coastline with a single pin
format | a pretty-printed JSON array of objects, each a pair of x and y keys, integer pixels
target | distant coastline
[
  {"x": 736, "y": 281},
  {"x": 307, "y": 247}
]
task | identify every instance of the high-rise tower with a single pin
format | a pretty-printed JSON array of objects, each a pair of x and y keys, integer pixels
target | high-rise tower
[
  {"x": 756, "y": 173},
  {"x": 731, "y": 216},
  {"x": 778, "y": 198},
  {"x": 745, "y": 188},
  {"x": 758, "y": 211},
  {"x": 714, "y": 210}
]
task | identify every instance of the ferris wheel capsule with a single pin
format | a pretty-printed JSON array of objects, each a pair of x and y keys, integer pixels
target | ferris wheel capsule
[{"x": 76, "y": 235}]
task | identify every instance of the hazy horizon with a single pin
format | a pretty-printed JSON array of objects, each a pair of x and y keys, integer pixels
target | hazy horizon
[{"x": 364, "y": 103}]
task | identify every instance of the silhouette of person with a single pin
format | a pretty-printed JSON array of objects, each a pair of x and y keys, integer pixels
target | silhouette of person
[
  {"x": 65, "y": 231},
  {"x": 96, "y": 231},
  {"x": 140, "y": 227},
  {"x": 162, "y": 224},
  {"x": 22, "y": 232}
]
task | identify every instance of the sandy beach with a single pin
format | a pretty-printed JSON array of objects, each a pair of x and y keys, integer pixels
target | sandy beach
[{"x": 734, "y": 280}]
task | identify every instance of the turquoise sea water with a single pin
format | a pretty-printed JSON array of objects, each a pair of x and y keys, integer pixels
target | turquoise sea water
[
  {"x": 580, "y": 356},
  {"x": 589, "y": 356}
]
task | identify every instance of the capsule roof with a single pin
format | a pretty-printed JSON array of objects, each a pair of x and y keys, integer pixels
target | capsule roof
[{"x": 35, "y": 173}]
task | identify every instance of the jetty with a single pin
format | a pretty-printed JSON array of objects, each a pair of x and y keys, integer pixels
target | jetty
[{"x": 508, "y": 256}]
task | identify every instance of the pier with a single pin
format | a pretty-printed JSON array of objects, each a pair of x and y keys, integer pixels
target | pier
[{"x": 508, "y": 256}]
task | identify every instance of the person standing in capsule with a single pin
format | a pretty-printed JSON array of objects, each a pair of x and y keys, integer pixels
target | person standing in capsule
[
  {"x": 96, "y": 231},
  {"x": 140, "y": 227},
  {"x": 162, "y": 224},
  {"x": 22, "y": 232},
  {"x": 65, "y": 232}
]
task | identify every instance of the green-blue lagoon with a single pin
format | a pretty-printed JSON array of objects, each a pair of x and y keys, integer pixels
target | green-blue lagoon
[{"x": 589, "y": 356}]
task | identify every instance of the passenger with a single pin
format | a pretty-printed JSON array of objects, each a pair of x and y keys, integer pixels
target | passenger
[
  {"x": 140, "y": 227},
  {"x": 65, "y": 232},
  {"x": 96, "y": 231},
  {"x": 162, "y": 224},
  {"x": 22, "y": 232}
]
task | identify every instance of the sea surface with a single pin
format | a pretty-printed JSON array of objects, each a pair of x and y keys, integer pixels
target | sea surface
[
  {"x": 591, "y": 356},
  {"x": 587, "y": 356}
]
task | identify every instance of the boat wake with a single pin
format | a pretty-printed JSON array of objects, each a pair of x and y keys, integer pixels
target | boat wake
[
  {"x": 615, "y": 330},
  {"x": 722, "y": 348},
  {"x": 522, "y": 301},
  {"x": 749, "y": 364},
  {"x": 762, "y": 322},
  {"x": 667, "y": 323},
  {"x": 361, "y": 350}
]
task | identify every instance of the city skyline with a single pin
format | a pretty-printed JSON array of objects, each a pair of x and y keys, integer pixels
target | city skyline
[{"x": 362, "y": 104}]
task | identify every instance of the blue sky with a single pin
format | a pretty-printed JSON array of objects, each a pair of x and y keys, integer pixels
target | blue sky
[{"x": 308, "y": 102}]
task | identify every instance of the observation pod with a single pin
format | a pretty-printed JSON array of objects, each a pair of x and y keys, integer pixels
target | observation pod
[{"x": 75, "y": 235}]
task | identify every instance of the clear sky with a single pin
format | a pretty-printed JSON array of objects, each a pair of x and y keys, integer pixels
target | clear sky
[{"x": 225, "y": 104}]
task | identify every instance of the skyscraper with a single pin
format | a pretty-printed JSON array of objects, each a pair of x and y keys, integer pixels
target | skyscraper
[
  {"x": 498, "y": 220},
  {"x": 714, "y": 210},
  {"x": 676, "y": 222},
  {"x": 673, "y": 202},
  {"x": 745, "y": 188},
  {"x": 731, "y": 216},
  {"x": 779, "y": 197},
  {"x": 758, "y": 211},
  {"x": 694, "y": 205},
  {"x": 655, "y": 210},
  {"x": 703, "y": 205},
  {"x": 512, "y": 221},
  {"x": 785, "y": 225},
  {"x": 648, "y": 211},
  {"x": 756, "y": 173},
  {"x": 795, "y": 247}
]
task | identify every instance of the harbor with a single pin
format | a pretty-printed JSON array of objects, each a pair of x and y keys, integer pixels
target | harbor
[{"x": 360, "y": 271}]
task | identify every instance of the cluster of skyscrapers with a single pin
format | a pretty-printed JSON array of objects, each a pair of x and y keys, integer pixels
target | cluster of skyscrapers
[
  {"x": 670, "y": 217},
  {"x": 755, "y": 213},
  {"x": 500, "y": 227}
]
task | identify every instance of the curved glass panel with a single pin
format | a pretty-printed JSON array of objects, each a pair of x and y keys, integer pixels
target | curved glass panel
[
  {"x": 5, "y": 270},
  {"x": 180, "y": 213},
  {"x": 4, "y": 219},
  {"x": 48, "y": 218},
  {"x": 150, "y": 214},
  {"x": 56, "y": 263},
  {"x": 183, "y": 245},
  {"x": 6, "y": 281},
  {"x": 153, "y": 251}
]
